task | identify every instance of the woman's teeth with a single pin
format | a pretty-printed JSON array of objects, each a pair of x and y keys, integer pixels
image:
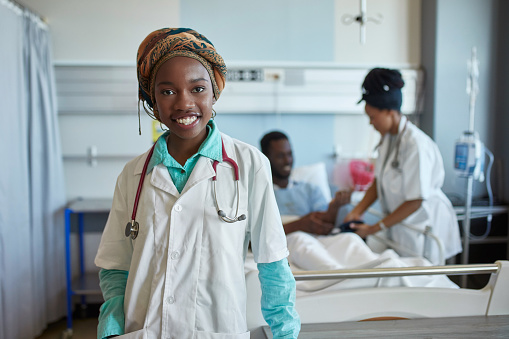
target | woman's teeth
[{"x": 186, "y": 121}]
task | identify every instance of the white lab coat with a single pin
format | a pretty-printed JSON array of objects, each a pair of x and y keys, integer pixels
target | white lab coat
[
  {"x": 186, "y": 267},
  {"x": 420, "y": 175}
]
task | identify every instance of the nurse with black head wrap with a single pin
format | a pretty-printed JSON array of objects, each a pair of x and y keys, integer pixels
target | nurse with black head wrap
[{"x": 409, "y": 174}]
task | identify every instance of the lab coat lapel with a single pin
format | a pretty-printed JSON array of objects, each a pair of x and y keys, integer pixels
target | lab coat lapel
[
  {"x": 202, "y": 171},
  {"x": 161, "y": 179}
]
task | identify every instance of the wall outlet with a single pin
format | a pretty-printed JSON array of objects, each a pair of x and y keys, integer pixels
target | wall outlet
[{"x": 245, "y": 75}]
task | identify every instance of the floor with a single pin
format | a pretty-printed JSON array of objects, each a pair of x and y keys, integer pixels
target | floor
[{"x": 84, "y": 326}]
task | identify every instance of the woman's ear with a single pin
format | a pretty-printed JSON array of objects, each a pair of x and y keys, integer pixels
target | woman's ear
[{"x": 214, "y": 100}]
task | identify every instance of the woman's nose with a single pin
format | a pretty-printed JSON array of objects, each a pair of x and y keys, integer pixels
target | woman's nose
[{"x": 184, "y": 102}]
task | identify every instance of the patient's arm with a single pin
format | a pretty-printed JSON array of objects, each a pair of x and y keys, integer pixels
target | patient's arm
[
  {"x": 340, "y": 198},
  {"x": 311, "y": 223}
]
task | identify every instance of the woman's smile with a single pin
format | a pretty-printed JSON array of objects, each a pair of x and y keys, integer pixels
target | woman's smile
[{"x": 187, "y": 120}]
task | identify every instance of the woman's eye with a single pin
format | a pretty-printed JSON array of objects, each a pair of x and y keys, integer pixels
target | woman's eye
[
  {"x": 198, "y": 89},
  {"x": 167, "y": 92}
]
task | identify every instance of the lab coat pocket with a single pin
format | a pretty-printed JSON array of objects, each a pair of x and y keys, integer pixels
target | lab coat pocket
[
  {"x": 211, "y": 335},
  {"x": 139, "y": 334}
]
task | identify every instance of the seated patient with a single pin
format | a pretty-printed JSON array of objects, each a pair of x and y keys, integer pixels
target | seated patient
[{"x": 317, "y": 215}]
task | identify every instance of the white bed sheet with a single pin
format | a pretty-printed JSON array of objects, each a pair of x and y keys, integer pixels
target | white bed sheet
[{"x": 349, "y": 251}]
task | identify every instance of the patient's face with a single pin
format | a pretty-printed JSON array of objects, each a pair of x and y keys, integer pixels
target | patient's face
[{"x": 281, "y": 158}]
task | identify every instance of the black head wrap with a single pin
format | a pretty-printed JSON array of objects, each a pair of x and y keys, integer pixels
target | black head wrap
[{"x": 382, "y": 89}]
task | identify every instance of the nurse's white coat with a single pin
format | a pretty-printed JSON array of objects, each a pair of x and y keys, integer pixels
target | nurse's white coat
[
  {"x": 186, "y": 267},
  {"x": 420, "y": 175}
]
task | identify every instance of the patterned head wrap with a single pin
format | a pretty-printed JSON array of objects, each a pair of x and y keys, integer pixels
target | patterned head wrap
[
  {"x": 164, "y": 44},
  {"x": 382, "y": 89}
]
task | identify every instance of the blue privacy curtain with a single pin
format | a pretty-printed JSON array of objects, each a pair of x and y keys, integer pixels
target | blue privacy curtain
[{"x": 32, "y": 196}]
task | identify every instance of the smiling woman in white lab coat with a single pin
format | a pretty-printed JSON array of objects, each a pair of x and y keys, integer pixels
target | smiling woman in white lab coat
[
  {"x": 409, "y": 174},
  {"x": 177, "y": 269}
]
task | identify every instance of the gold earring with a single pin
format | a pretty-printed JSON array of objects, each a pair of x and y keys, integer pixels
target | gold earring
[
  {"x": 213, "y": 114},
  {"x": 162, "y": 127}
]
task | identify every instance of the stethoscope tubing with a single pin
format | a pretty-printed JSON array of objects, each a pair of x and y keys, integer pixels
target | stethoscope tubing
[
  {"x": 220, "y": 212},
  {"x": 140, "y": 184}
]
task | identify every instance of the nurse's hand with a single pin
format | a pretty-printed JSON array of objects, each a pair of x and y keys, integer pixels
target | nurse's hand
[
  {"x": 363, "y": 230},
  {"x": 316, "y": 224},
  {"x": 352, "y": 216}
]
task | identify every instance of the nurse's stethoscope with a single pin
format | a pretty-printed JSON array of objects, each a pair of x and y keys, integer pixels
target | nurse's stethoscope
[
  {"x": 394, "y": 164},
  {"x": 132, "y": 229},
  {"x": 395, "y": 161}
]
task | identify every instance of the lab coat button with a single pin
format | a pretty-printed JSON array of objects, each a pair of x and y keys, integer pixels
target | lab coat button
[
  {"x": 178, "y": 208},
  {"x": 170, "y": 300},
  {"x": 175, "y": 255}
]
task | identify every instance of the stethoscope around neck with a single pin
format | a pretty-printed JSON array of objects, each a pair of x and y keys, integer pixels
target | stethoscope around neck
[
  {"x": 395, "y": 161},
  {"x": 133, "y": 227}
]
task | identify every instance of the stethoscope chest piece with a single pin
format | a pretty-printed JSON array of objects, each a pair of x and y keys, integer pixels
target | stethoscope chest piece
[{"x": 132, "y": 228}]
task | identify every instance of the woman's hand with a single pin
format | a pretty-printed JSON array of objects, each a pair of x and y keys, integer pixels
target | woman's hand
[
  {"x": 353, "y": 215},
  {"x": 363, "y": 230}
]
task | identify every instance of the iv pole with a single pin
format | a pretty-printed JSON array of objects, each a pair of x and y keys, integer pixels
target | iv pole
[{"x": 472, "y": 90}]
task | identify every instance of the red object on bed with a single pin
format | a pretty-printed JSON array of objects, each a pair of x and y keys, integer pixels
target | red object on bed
[{"x": 362, "y": 173}]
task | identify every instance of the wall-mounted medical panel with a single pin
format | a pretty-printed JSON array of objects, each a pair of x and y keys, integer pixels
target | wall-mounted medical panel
[
  {"x": 309, "y": 90},
  {"x": 97, "y": 89},
  {"x": 334, "y": 90}
]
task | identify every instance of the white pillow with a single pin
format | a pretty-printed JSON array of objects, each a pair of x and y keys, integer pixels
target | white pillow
[{"x": 315, "y": 174}]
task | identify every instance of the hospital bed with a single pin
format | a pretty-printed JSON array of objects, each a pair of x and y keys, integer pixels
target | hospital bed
[{"x": 380, "y": 303}]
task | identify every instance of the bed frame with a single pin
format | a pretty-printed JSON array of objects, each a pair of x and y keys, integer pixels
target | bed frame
[{"x": 391, "y": 302}]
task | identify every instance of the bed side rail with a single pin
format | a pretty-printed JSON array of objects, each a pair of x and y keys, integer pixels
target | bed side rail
[
  {"x": 427, "y": 232},
  {"x": 400, "y": 271}
]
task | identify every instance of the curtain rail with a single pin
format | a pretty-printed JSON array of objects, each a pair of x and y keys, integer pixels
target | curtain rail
[
  {"x": 397, "y": 272},
  {"x": 14, "y": 4}
]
